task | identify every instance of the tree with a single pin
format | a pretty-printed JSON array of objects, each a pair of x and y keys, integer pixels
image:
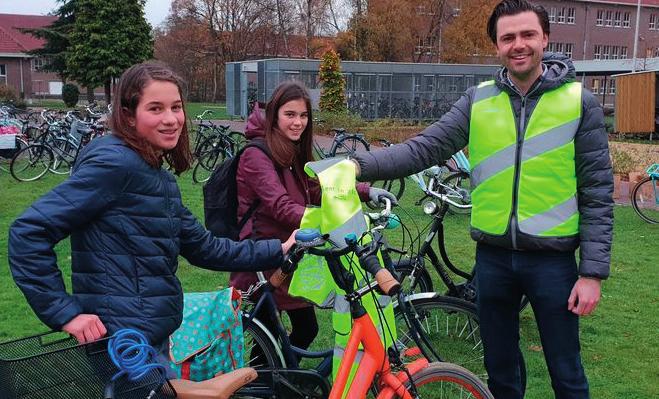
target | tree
[
  {"x": 332, "y": 96},
  {"x": 466, "y": 37},
  {"x": 108, "y": 37},
  {"x": 56, "y": 37}
]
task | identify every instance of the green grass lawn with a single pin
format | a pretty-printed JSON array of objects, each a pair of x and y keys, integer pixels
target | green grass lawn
[{"x": 619, "y": 341}]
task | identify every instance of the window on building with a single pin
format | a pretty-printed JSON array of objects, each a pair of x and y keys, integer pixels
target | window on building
[
  {"x": 600, "y": 18},
  {"x": 568, "y": 49},
  {"x": 3, "y": 73},
  {"x": 614, "y": 52},
  {"x": 552, "y": 15},
  {"x": 612, "y": 86},
  {"x": 596, "y": 86},
  {"x": 571, "y": 15},
  {"x": 609, "y": 18},
  {"x": 560, "y": 15},
  {"x": 38, "y": 63},
  {"x": 626, "y": 20},
  {"x": 623, "y": 52},
  {"x": 597, "y": 52},
  {"x": 653, "y": 22},
  {"x": 617, "y": 21}
]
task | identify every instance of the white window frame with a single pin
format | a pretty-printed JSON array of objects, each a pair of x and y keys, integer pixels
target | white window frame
[
  {"x": 617, "y": 20},
  {"x": 653, "y": 22},
  {"x": 552, "y": 15},
  {"x": 623, "y": 52},
  {"x": 3, "y": 74},
  {"x": 569, "y": 48},
  {"x": 600, "y": 18},
  {"x": 614, "y": 52},
  {"x": 560, "y": 15},
  {"x": 597, "y": 52},
  {"x": 571, "y": 13},
  {"x": 612, "y": 87},
  {"x": 626, "y": 20},
  {"x": 595, "y": 86},
  {"x": 609, "y": 18}
]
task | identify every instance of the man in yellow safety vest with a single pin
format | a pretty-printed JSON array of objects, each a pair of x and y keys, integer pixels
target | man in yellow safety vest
[{"x": 541, "y": 188}]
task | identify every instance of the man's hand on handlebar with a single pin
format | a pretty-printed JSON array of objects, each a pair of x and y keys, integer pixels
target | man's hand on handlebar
[{"x": 377, "y": 195}]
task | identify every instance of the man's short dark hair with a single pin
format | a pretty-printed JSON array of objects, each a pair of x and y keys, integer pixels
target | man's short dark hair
[{"x": 514, "y": 7}]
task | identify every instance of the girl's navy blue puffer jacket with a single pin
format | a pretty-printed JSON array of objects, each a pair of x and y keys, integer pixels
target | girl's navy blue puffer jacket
[{"x": 127, "y": 226}]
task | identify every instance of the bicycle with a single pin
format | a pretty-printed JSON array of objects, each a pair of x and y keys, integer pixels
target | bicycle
[
  {"x": 645, "y": 196},
  {"x": 413, "y": 313},
  {"x": 54, "y": 366},
  {"x": 452, "y": 176},
  {"x": 343, "y": 145},
  {"x": 377, "y": 364}
]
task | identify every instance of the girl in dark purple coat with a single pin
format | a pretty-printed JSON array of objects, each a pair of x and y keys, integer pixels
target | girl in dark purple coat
[{"x": 282, "y": 188}]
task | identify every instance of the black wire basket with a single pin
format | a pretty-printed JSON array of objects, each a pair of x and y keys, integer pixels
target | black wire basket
[{"x": 54, "y": 366}]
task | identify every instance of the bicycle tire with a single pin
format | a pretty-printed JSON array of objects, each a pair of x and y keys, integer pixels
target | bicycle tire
[
  {"x": 7, "y": 154},
  {"x": 457, "y": 188},
  {"x": 419, "y": 282},
  {"x": 257, "y": 336},
  {"x": 447, "y": 380},
  {"x": 207, "y": 162},
  {"x": 64, "y": 152},
  {"x": 31, "y": 162},
  {"x": 238, "y": 140},
  {"x": 645, "y": 201},
  {"x": 349, "y": 145},
  {"x": 451, "y": 327},
  {"x": 395, "y": 186}
]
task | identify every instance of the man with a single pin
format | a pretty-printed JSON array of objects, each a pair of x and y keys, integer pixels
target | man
[{"x": 542, "y": 186}]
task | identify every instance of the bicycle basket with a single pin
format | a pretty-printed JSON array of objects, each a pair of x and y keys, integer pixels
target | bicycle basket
[
  {"x": 54, "y": 366},
  {"x": 653, "y": 171}
]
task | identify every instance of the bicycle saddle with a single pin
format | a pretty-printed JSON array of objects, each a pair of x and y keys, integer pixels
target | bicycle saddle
[
  {"x": 339, "y": 130},
  {"x": 219, "y": 387}
]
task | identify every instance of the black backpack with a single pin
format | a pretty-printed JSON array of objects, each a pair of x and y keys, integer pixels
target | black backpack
[{"x": 221, "y": 196}]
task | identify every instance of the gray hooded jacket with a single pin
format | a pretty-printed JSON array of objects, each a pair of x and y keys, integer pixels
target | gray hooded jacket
[{"x": 593, "y": 166}]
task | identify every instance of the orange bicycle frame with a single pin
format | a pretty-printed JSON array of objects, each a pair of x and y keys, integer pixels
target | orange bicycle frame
[{"x": 373, "y": 361}]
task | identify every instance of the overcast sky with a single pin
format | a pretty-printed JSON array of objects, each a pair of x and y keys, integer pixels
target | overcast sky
[{"x": 156, "y": 10}]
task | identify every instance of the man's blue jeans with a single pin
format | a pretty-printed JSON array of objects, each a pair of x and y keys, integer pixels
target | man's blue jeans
[{"x": 546, "y": 278}]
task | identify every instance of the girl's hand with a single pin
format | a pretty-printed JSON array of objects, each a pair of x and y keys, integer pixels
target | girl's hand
[
  {"x": 286, "y": 246},
  {"x": 85, "y": 328}
]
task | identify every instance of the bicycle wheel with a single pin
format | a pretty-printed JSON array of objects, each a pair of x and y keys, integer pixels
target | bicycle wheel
[
  {"x": 206, "y": 164},
  {"x": 7, "y": 154},
  {"x": 64, "y": 152},
  {"x": 261, "y": 350},
  {"x": 413, "y": 279},
  {"x": 396, "y": 187},
  {"x": 451, "y": 327},
  {"x": 239, "y": 140},
  {"x": 645, "y": 200},
  {"x": 31, "y": 162},
  {"x": 348, "y": 146},
  {"x": 456, "y": 186},
  {"x": 447, "y": 381}
]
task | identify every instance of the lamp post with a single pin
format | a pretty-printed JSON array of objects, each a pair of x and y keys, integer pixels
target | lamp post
[{"x": 638, "y": 19}]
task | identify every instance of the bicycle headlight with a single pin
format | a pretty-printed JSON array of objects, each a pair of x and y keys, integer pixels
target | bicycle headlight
[{"x": 429, "y": 208}]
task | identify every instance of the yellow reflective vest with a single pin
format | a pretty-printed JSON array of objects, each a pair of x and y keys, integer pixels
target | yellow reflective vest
[{"x": 523, "y": 172}]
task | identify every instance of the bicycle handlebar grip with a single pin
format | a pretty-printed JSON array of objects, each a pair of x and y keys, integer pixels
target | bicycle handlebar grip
[
  {"x": 277, "y": 279},
  {"x": 387, "y": 282}
]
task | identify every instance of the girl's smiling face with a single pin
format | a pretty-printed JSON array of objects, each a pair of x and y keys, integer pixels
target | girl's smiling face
[
  {"x": 292, "y": 119},
  {"x": 159, "y": 116}
]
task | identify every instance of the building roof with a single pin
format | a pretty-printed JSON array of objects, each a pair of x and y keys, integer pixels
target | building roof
[
  {"x": 644, "y": 3},
  {"x": 12, "y": 40},
  {"x": 611, "y": 67}
]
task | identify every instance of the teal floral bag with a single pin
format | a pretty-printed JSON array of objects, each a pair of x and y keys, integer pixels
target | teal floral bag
[{"x": 210, "y": 338}]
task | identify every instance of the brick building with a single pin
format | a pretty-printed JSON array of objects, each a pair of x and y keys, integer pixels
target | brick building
[{"x": 18, "y": 69}]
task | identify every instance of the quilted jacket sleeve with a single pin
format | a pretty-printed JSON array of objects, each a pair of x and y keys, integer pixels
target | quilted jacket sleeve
[
  {"x": 594, "y": 191},
  {"x": 203, "y": 249},
  {"x": 434, "y": 144},
  {"x": 95, "y": 183}
]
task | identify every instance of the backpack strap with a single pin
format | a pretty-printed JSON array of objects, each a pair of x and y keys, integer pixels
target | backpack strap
[{"x": 261, "y": 145}]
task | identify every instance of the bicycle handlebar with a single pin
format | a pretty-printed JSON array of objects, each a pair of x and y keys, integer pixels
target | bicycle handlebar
[{"x": 444, "y": 198}]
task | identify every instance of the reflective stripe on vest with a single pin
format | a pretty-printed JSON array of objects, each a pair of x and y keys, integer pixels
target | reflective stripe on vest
[{"x": 546, "y": 191}]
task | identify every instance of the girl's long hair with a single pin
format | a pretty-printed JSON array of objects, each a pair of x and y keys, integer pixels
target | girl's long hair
[
  {"x": 284, "y": 152},
  {"x": 127, "y": 95}
]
